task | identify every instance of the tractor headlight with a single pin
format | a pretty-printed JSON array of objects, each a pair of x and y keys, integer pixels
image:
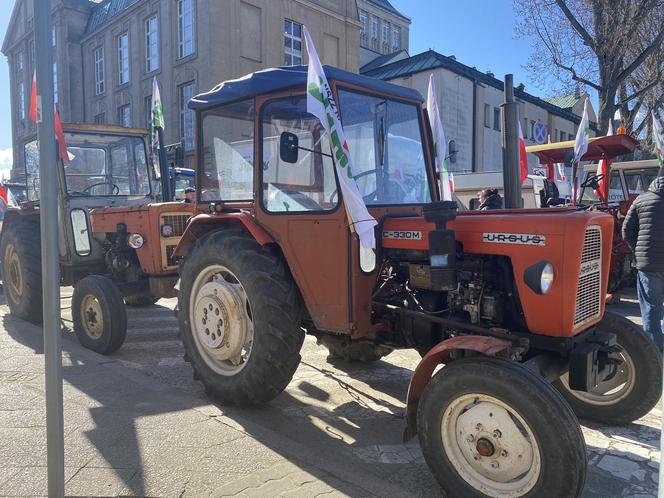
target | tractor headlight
[
  {"x": 546, "y": 280},
  {"x": 135, "y": 240},
  {"x": 539, "y": 277},
  {"x": 167, "y": 230}
]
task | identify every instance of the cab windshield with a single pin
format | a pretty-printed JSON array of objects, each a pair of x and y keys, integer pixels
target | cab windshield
[
  {"x": 385, "y": 141},
  {"x": 99, "y": 165}
]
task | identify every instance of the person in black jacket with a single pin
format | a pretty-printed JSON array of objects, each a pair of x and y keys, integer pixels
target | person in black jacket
[
  {"x": 489, "y": 199},
  {"x": 643, "y": 230}
]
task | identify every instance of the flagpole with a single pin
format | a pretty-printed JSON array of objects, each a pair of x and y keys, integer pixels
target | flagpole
[
  {"x": 48, "y": 212},
  {"x": 163, "y": 167}
]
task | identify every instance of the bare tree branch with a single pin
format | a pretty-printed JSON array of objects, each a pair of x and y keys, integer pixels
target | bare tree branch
[
  {"x": 583, "y": 33},
  {"x": 640, "y": 92},
  {"x": 655, "y": 45},
  {"x": 576, "y": 77}
]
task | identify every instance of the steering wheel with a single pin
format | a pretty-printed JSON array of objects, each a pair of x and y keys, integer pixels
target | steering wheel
[
  {"x": 593, "y": 181},
  {"x": 115, "y": 189}
]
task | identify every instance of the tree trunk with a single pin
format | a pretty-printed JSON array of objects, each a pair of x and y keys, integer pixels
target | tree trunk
[{"x": 607, "y": 108}]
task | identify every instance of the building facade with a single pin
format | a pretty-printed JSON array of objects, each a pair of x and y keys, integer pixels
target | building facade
[
  {"x": 470, "y": 105},
  {"x": 383, "y": 29},
  {"x": 107, "y": 53}
]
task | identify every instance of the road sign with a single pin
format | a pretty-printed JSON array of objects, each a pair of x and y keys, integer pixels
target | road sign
[{"x": 539, "y": 132}]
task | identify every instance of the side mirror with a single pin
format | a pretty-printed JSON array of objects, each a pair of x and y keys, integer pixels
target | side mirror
[
  {"x": 289, "y": 147},
  {"x": 452, "y": 151}
]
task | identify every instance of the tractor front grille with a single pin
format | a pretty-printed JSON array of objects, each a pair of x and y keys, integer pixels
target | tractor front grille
[
  {"x": 589, "y": 291},
  {"x": 170, "y": 260},
  {"x": 177, "y": 221}
]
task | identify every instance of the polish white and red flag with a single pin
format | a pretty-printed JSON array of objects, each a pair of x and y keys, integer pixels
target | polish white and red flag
[
  {"x": 33, "y": 114},
  {"x": 523, "y": 156}
]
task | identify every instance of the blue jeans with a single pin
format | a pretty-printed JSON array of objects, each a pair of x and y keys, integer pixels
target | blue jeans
[{"x": 650, "y": 287}]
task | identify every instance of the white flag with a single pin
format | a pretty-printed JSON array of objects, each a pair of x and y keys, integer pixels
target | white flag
[
  {"x": 439, "y": 141},
  {"x": 321, "y": 103},
  {"x": 658, "y": 139},
  {"x": 582, "y": 135}
]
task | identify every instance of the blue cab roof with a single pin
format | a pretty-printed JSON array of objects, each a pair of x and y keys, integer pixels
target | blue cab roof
[{"x": 285, "y": 78}]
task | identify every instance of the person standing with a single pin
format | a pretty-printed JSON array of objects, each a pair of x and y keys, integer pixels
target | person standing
[{"x": 643, "y": 230}]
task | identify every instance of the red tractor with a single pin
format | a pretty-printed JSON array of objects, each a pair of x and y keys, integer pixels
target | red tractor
[{"x": 510, "y": 301}]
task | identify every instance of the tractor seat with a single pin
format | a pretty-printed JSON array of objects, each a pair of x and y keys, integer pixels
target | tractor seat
[{"x": 550, "y": 195}]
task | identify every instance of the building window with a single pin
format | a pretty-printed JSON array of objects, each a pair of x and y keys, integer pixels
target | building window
[
  {"x": 19, "y": 61},
  {"x": 100, "y": 85},
  {"x": 100, "y": 118},
  {"x": 374, "y": 28},
  {"x": 186, "y": 93},
  {"x": 53, "y": 36},
  {"x": 496, "y": 118},
  {"x": 386, "y": 33},
  {"x": 487, "y": 115},
  {"x": 124, "y": 116},
  {"x": 55, "y": 83},
  {"x": 148, "y": 111},
  {"x": 21, "y": 100},
  {"x": 525, "y": 128},
  {"x": 396, "y": 37},
  {"x": 186, "y": 27},
  {"x": 151, "y": 45},
  {"x": 562, "y": 136},
  {"x": 292, "y": 43},
  {"x": 123, "y": 58},
  {"x": 31, "y": 53},
  {"x": 532, "y": 129},
  {"x": 363, "y": 23}
]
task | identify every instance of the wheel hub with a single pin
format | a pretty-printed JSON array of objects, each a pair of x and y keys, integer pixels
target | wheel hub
[
  {"x": 92, "y": 317},
  {"x": 14, "y": 277},
  {"x": 219, "y": 319}
]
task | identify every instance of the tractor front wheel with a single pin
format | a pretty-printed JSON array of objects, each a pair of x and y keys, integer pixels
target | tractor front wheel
[
  {"x": 490, "y": 427},
  {"x": 635, "y": 386},
  {"x": 99, "y": 314},
  {"x": 240, "y": 318}
]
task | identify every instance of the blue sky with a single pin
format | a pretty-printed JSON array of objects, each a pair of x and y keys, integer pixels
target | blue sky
[{"x": 479, "y": 33}]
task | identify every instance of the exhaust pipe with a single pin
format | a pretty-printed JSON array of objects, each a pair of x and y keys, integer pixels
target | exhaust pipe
[{"x": 511, "y": 167}]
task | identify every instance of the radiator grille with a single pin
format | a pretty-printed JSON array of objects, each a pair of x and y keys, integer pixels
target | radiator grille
[
  {"x": 170, "y": 260},
  {"x": 589, "y": 291},
  {"x": 177, "y": 221}
]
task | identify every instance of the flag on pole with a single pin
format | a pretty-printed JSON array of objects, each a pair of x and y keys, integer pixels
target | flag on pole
[
  {"x": 157, "y": 117},
  {"x": 581, "y": 145},
  {"x": 439, "y": 142},
  {"x": 64, "y": 154},
  {"x": 523, "y": 156},
  {"x": 321, "y": 103},
  {"x": 658, "y": 138},
  {"x": 603, "y": 169}
]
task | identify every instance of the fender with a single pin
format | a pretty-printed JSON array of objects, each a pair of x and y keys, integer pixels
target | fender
[
  {"x": 489, "y": 346},
  {"x": 204, "y": 223}
]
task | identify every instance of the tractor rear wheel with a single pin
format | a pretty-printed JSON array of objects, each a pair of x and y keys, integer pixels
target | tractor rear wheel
[
  {"x": 486, "y": 429},
  {"x": 21, "y": 269},
  {"x": 633, "y": 390},
  {"x": 240, "y": 318},
  {"x": 99, "y": 314}
]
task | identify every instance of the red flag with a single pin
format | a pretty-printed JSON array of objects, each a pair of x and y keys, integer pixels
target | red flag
[
  {"x": 523, "y": 156},
  {"x": 59, "y": 133},
  {"x": 33, "y": 100},
  {"x": 603, "y": 169}
]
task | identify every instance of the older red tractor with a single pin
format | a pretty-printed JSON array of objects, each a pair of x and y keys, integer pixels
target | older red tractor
[{"x": 512, "y": 302}]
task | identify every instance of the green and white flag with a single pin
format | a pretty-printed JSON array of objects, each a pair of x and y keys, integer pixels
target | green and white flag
[
  {"x": 157, "y": 118},
  {"x": 658, "y": 138},
  {"x": 321, "y": 103},
  {"x": 439, "y": 141},
  {"x": 582, "y": 135}
]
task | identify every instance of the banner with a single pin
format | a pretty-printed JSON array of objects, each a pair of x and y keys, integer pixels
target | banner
[{"x": 439, "y": 141}]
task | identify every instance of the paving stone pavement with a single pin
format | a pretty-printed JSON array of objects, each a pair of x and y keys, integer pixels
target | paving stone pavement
[{"x": 136, "y": 424}]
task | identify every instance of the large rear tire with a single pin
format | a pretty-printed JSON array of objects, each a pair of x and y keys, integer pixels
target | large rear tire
[
  {"x": 240, "y": 316},
  {"x": 635, "y": 387},
  {"x": 21, "y": 269},
  {"x": 99, "y": 314},
  {"x": 490, "y": 427}
]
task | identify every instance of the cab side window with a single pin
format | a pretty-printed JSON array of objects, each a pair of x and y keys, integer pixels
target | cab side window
[{"x": 308, "y": 184}]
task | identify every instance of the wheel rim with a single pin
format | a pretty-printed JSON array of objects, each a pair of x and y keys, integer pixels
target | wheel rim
[
  {"x": 221, "y": 320},
  {"x": 92, "y": 317},
  {"x": 13, "y": 276},
  {"x": 611, "y": 390},
  {"x": 490, "y": 446}
]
